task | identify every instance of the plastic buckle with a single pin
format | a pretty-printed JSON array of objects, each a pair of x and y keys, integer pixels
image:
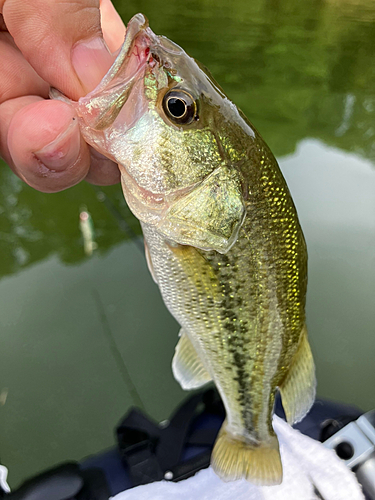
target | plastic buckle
[
  {"x": 355, "y": 445},
  {"x": 3, "y": 479}
]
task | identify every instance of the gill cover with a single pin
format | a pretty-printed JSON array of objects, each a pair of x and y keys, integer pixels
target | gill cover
[{"x": 210, "y": 216}]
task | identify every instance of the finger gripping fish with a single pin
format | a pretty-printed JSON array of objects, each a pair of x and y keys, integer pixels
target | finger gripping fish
[{"x": 222, "y": 239}]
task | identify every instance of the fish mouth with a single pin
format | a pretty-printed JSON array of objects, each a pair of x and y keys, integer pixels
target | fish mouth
[
  {"x": 133, "y": 55},
  {"x": 122, "y": 88}
]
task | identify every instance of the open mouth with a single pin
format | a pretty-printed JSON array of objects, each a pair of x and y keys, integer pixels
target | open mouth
[
  {"x": 121, "y": 89},
  {"x": 135, "y": 52},
  {"x": 132, "y": 56},
  {"x": 119, "y": 100}
]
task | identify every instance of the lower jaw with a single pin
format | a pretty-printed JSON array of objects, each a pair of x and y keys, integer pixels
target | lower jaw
[{"x": 146, "y": 206}]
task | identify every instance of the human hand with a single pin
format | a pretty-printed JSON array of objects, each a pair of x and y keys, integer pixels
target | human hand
[{"x": 54, "y": 43}]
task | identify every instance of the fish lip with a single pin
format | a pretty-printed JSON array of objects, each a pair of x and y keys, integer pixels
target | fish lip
[
  {"x": 137, "y": 25},
  {"x": 97, "y": 109}
]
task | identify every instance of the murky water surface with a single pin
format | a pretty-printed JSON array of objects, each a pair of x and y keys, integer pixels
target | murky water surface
[{"x": 83, "y": 338}]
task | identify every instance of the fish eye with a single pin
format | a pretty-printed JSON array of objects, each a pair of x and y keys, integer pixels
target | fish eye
[{"x": 180, "y": 107}]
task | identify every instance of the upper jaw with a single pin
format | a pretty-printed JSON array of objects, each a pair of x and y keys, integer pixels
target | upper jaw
[{"x": 137, "y": 42}]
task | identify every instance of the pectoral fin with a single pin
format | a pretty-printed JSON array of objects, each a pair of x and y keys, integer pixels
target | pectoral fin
[
  {"x": 187, "y": 367},
  {"x": 210, "y": 216},
  {"x": 149, "y": 263},
  {"x": 298, "y": 388}
]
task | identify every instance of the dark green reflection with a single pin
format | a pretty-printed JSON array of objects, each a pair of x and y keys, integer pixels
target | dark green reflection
[
  {"x": 295, "y": 71},
  {"x": 35, "y": 225}
]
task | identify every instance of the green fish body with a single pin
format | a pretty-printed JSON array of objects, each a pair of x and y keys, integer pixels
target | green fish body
[{"x": 222, "y": 237}]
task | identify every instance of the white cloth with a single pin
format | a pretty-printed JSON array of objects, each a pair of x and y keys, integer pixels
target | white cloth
[{"x": 306, "y": 463}]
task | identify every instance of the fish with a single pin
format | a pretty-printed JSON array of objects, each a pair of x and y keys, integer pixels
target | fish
[
  {"x": 222, "y": 240},
  {"x": 86, "y": 225}
]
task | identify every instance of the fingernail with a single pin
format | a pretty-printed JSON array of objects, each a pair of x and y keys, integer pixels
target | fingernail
[
  {"x": 91, "y": 60},
  {"x": 63, "y": 151}
]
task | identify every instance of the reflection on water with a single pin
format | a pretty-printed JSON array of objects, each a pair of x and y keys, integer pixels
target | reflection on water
[
  {"x": 296, "y": 72},
  {"x": 304, "y": 75},
  {"x": 35, "y": 225}
]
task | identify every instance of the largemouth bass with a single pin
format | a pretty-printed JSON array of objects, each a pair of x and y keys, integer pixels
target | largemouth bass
[{"x": 222, "y": 239}]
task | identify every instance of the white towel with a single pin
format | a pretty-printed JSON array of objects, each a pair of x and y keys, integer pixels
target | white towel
[{"x": 306, "y": 463}]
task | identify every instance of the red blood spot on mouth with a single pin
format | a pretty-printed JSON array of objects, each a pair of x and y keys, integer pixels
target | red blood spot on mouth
[{"x": 141, "y": 48}]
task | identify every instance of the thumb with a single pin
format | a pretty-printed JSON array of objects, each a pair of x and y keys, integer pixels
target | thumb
[{"x": 62, "y": 40}]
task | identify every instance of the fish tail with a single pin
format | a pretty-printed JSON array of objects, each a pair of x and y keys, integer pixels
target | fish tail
[{"x": 233, "y": 458}]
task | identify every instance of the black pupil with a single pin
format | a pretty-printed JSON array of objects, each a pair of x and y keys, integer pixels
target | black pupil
[{"x": 176, "y": 107}]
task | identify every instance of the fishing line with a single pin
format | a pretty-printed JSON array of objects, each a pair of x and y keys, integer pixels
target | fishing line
[{"x": 116, "y": 352}]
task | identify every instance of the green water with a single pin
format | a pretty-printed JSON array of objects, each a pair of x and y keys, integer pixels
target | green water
[{"x": 84, "y": 338}]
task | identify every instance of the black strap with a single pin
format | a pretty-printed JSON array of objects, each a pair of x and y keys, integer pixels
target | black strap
[
  {"x": 137, "y": 437},
  {"x": 174, "y": 436},
  {"x": 150, "y": 451}
]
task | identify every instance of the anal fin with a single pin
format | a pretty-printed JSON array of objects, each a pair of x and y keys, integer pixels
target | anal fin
[
  {"x": 298, "y": 388},
  {"x": 187, "y": 367}
]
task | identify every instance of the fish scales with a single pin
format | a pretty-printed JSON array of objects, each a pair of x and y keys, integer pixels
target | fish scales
[
  {"x": 230, "y": 318},
  {"x": 222, "y": 240}
]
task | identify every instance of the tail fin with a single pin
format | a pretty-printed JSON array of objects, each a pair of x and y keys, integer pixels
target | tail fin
[{"x": 233, "y": 459}]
